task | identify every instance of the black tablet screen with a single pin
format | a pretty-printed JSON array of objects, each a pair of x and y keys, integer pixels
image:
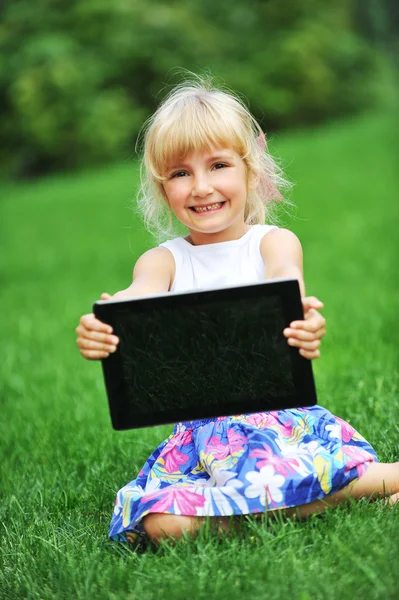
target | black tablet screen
[{"x": 211, "y": 355}]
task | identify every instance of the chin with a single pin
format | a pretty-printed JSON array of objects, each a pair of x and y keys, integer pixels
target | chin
[{"x": 210, "y": 230}]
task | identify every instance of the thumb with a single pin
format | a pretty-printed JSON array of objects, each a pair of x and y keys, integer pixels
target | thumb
[
  {"x": 105, "y": 296},
  {"x": 311, "y": 302}
]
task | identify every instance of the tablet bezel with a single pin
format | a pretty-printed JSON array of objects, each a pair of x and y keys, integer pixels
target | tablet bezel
[{"x": 109, "y": 312}]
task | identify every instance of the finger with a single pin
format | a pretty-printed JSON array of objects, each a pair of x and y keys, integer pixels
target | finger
[
  {"x": 314, "y": 314},
  {"x": 91, "y": 334},
  {"x": 313, "y": 345},
  {"x": 303, "y": 334},
  {"x": 310, "y": 354},
  {"x": 310, "y": 326},
  {"x": 87, "y": 344},
  {"x": 105, "y": 338},
  {"x": 94, "y": 354},
  {"x": 90, "y": 322},
  {"x": 105, "y": 296},
  {"x": 311, "y": 323},
  {"x": 312, "y": 302}
]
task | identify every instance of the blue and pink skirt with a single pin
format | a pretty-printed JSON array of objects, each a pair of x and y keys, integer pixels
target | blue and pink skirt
[{"x": 243, "y": 465}]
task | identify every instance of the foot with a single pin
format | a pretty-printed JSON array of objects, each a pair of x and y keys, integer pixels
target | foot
[{"x": 392, "y": 500}]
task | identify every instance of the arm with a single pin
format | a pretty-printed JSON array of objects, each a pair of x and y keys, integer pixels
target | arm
[
  {"x": 153, "y": 274},
  {"x": 282, "y": 255}
]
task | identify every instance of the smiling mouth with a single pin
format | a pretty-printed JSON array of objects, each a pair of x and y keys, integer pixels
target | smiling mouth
[{"x": 207, "y": 208}]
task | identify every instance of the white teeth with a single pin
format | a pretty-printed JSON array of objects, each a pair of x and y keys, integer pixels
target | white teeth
[{"x": 205, "y": 208}]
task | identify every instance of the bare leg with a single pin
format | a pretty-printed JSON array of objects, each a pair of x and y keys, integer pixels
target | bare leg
[
  {"x": 162, "y": 525},
  {"x": 380, "y": 480}
]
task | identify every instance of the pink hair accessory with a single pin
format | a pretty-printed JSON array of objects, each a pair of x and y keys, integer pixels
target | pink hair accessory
[
  {"x": 261, "y": 141},
  {"x": 266, "y": 187}
]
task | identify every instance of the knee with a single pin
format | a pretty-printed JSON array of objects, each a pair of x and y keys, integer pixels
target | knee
[{"x": 159, "y": 525}]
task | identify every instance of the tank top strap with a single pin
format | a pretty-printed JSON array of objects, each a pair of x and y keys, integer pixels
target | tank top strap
[
  {"x": 176, "y": 246},
  {"x": 257, "y": 233}
]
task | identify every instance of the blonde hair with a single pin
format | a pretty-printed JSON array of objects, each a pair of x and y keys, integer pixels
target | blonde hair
[{"x": 195, "y": 116}]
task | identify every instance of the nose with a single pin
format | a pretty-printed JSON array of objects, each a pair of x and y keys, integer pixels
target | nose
[{"x": 201, "y": 187}]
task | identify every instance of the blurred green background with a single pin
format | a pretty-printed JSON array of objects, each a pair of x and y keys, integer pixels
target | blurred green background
[{"x": 78, "y": 78}]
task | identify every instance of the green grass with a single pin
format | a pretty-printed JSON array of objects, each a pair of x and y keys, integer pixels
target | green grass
[{"x": 64, "y": 241}]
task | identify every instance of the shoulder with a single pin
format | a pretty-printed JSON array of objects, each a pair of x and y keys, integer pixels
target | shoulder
[
  {"x": 282, "y": 242},
  {"x": 155, "y": 261},
  {"x": 155, "y": 256}
]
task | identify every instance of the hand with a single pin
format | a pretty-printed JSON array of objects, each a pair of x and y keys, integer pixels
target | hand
[
  {"x": 95, "y": 339},
  {"x": 306, "y": 335}
]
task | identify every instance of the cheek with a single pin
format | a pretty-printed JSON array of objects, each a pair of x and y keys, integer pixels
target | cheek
[
  {"x": 236, "y": 185},
  {"x": 239, "y": 188},
  {"x": 175, "y": 194}
]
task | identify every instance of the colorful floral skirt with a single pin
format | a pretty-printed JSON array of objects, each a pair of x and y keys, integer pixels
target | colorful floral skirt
[{"x": 242, "y": 465}]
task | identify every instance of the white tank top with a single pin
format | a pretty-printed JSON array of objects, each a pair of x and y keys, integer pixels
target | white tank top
[{"x": 236, "y": 262}]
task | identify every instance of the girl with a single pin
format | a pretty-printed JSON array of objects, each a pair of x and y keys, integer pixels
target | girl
[{"x": 206, "y": 163}]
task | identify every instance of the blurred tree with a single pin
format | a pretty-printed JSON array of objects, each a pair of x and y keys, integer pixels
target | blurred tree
[
  {"x": 78, "y": 77},
  {"x": 378, "y": 20}
]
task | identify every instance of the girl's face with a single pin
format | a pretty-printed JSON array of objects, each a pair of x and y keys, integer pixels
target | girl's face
[{"x": 207, "y": 192}]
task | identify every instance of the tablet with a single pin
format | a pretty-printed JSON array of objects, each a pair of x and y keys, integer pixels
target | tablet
[{"x": 204, "y": 354}]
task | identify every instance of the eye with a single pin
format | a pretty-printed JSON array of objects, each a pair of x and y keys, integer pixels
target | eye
[
  {"x": 220, "y": 165},
  {"x": 178, "y": 174}
]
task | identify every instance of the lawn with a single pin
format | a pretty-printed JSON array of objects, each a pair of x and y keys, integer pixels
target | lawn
[{"x": 66, "y": 239}]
